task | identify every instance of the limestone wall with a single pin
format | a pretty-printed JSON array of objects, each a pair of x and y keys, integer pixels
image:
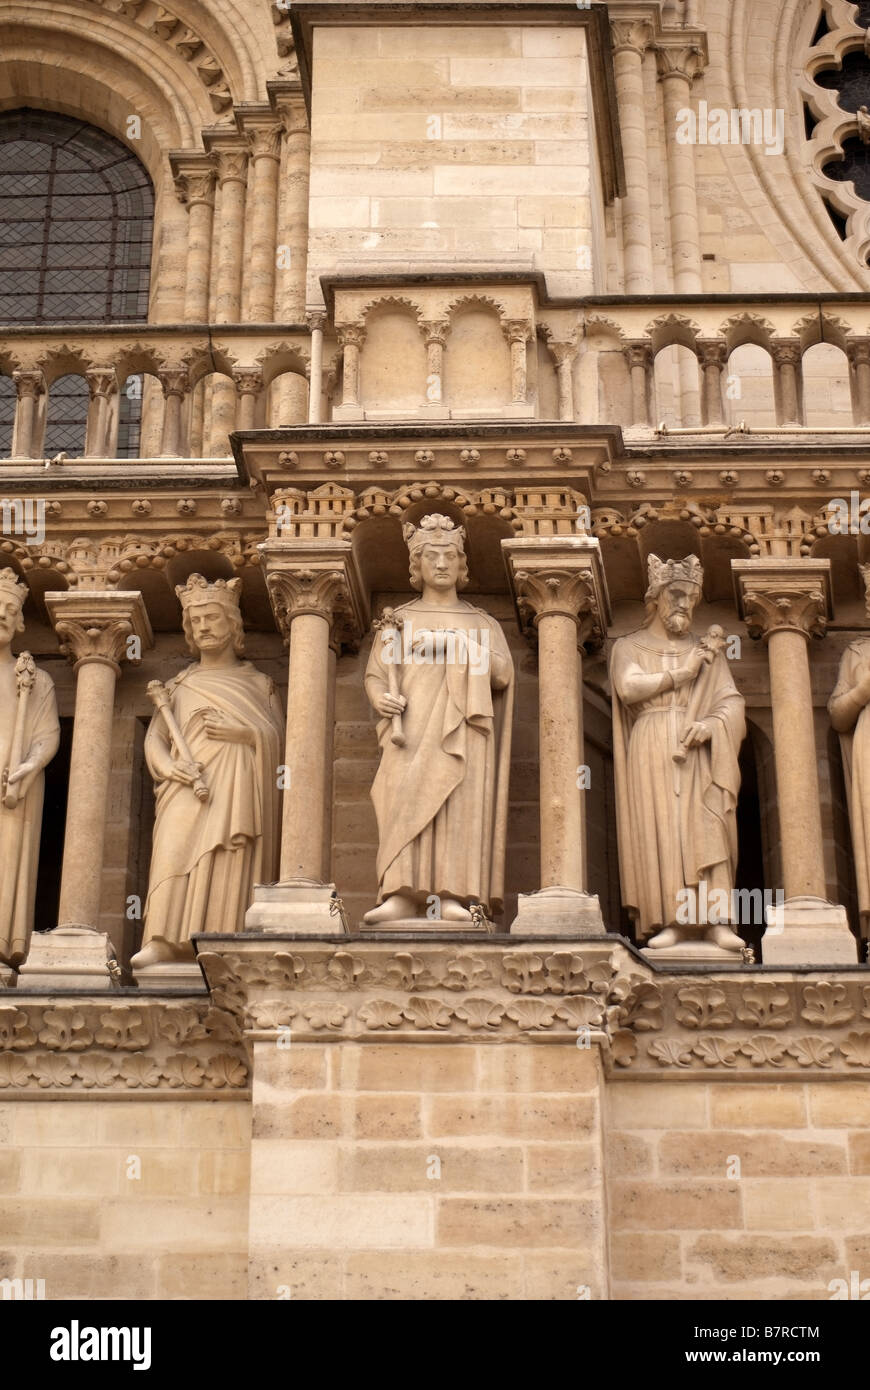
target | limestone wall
[
  {"x": 750, "y": 1190},
  {"x": 74, "y": 1215}
]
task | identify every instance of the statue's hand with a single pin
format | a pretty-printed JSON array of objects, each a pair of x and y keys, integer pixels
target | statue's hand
[
  {"x": 388, "y": 704},
  {"x": 218, "y": 726},
  {"x": 700, "y": 656},
  {"x": 697, "y": 733},
  {"x": 23, "y": 770},
  {"x": 184, "y": 772}
]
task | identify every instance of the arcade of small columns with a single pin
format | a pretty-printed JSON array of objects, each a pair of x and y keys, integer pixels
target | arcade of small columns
[{"x": 319, "y": 602}]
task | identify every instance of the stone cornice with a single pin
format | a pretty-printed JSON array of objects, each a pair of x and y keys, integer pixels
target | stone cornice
[{"x": 575, "y": 993}]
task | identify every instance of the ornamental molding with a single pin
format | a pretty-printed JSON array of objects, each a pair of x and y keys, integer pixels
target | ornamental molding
[
  {"x": 646, "y": 1024},
  {"x": 151, "y": 1048}
]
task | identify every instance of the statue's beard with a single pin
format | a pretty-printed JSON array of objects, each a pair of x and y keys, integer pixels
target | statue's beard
[{"x": 676, "y": 623}]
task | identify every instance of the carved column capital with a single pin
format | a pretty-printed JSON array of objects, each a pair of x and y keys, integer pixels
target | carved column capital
[
  {"x": 633, "y": 34},
  {"x": 94, "y": 626},
  {"x": 28, "y": 384},
  {"x": 638, "y": 353},
  {"x": 786, "y": 351},
  {"x": 175, "y": 380},
  {"x": 783, "y": 596},
  {"x": 263, "y": 132},
  {"x": 229, "y": 154},
  {"x": 858, "y": 350},
  {"x": 351, "y": 335},
  {"x": 194, "y": 176},
  {"x": 316, "y": 320},
  {"x": 563, "y": 354},
  {"x": 435, "y": 331},
  {"x": 517, "y": 330},
  {"x": 712, "y": 352},
  {"x": 102, "y": 382},
  {"x": 249, "y": 380},
  {"x": 559, "y": 576},
  {"x": 314, "y": 578},
  {"x": 681, "y": 59}
]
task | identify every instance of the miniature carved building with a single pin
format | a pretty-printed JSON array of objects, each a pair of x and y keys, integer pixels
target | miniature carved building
[{"x": 277, "y": 281}]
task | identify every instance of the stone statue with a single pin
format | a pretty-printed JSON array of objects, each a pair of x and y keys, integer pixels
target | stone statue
[
  {"x": 848, "y": 710},
  {"x": 29, "y": 738},
  {"x": 677, "y": 728},
  {"x": 441, "y": 677},
  {"x": 213, "y": 749}
]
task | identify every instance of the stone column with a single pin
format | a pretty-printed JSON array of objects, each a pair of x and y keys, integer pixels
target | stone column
[
  {"x": 264, "y": 135},
  {"x": 29, "y": 385},
  {"x": 639, "y": 356},
  {"x": 787, "y": 361},
  {"x": 351, "y": 338},
  {"x": 316, "y": 322},
  {"x": 679, "y": 64},
  {"x": 561, "y": 595},
  {"x": 517, "y": 333},
  {"x": 630, "y": 39},
  {"x": 713, "y": 356},
  {"x": 249, "y": 385},
  {"x": 435, "y": 337},
  {"x": 176, "y": 384},
  {"x": 97, "y": 631},
  {"x": 289, "y": 106},
  {"x": 858, "y": 353},
  {"x": 564, "y": 355},
  {"x": 231, "y": 161},
  {"x": 195, "y": 174},
  {"x": 785, "y": 602},
  {"x": 317, "y": 600},
  {"x": 102, "y": 385}
]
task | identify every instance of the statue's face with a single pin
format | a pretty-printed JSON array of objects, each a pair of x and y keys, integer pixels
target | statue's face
[
  {"x": 10, "y": 616},
  {"x": 676, "y": 604},
  {"x": 440, "y": 566},
  {"x": 210, "y": 626}
]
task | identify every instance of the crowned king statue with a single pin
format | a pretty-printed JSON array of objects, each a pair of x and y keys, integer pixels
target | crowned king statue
[
  {"x": 677, "y": 728},
  {"x": 213, "y": 750},
  {"x": 440, "y": 676}
]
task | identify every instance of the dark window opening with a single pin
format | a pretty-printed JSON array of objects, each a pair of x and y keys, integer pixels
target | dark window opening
[
  {"x": 821, "y": 30},
  {"x": 837, "y": 218},
  {"x": 53, "y": 824}
]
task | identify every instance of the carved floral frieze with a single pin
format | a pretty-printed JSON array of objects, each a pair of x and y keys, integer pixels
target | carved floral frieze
[
  {"x": 598, "y": 995},
  {"x": 150, "y": 1047}
]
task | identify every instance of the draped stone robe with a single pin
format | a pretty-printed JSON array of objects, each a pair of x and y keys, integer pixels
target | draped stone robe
[
  {"x": 855, "y": 748},
  {"x": 441, "y": 801},
  {"x": 676, "y": 823},
  {"x": 20, "y": 828},
  {"x": 208, "y": 855}
]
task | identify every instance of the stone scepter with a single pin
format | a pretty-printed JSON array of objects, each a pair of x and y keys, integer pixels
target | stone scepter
[
  {"x": 25, "y": 677},
  {"x": 388, "y": 626},
  {"x": 161, "y": 700}
]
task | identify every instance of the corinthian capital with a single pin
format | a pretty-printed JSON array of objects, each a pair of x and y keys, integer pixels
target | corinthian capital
[
  {"x": 318, "y": 578},
  {"x": 98, "y": 625},
  {"x": 783, "y": 596},
  {"x": 686, "y": 60},
  {"x": 559, "y": 576},
  {"x": 632, "y": 34}
]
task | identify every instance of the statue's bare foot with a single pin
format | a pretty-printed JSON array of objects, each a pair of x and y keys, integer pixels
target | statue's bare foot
[
  {"x": 453, "y": 911},
  {"x": 391, "y": 909},
  {"x": 157, "y": 952},
  {"x": 723, "y": 936},
  {"x": 669, "y": 936}
]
